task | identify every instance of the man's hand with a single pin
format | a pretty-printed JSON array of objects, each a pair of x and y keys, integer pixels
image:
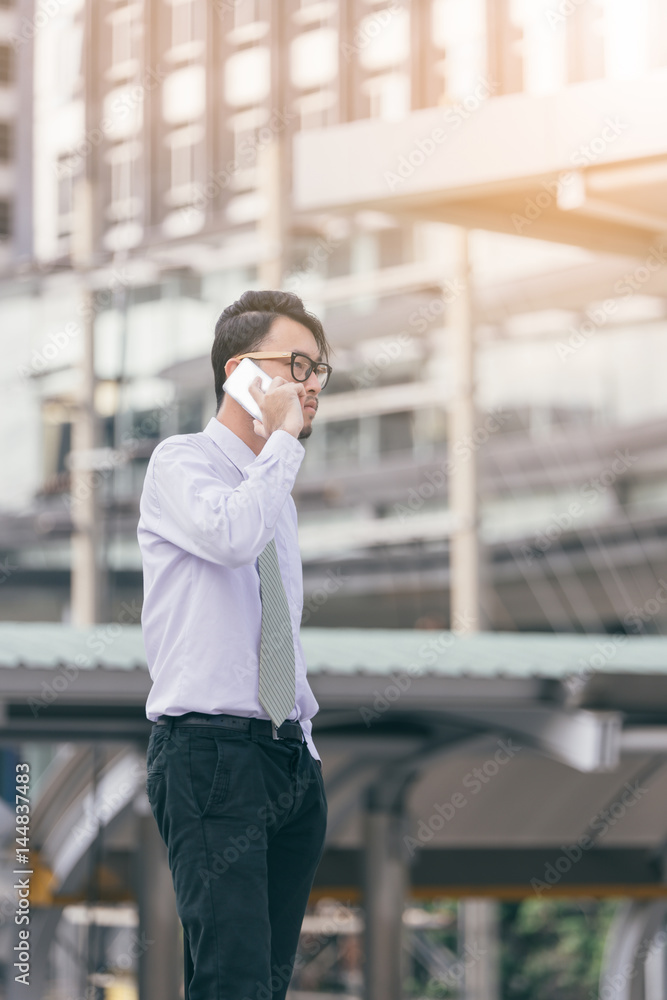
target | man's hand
[{"x": 281, "y": 406}]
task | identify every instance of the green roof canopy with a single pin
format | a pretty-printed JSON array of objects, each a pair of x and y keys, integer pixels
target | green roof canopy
[{"x": 48, "y": 645}]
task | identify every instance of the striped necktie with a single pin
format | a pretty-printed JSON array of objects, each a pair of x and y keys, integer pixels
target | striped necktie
[{"x": 276, "y": 654}]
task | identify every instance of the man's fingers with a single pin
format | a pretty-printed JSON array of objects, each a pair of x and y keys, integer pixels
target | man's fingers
[
  {"x": 275, "y": 404},
  {"x": 275, "y": 382},
  {"x": 292, "y": 387},
  {"x": 255, "y": 390}
]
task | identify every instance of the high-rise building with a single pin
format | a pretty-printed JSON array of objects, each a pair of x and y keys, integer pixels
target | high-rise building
[{"x": 166, "y": 165}]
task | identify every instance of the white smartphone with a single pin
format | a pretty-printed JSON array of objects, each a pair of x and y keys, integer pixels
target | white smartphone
[{"x": 237, "y": 385}]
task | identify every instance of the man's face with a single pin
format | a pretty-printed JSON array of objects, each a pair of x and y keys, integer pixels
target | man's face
[{"x": 288, "y": 335}]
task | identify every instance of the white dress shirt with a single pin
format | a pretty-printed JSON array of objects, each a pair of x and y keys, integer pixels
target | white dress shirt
[{"x": 208, "y": 507}]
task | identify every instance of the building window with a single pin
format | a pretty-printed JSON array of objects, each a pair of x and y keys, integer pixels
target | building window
[
  {"x": 5, "y": 218},
  {"x": 182, "y": 164},
  {"x": 190, "y": 415},
  {"x": 314, "y": 58},
  {"x": 68, "y": 43},
  {"x": 245, "y": 126},
  {"x": 389, "y": 96},
  {"x": 64, "y": 446},
  {"x": 188, "y": 28},
  {"x": 184, "y": 95},
  {"x": 315, "y": 109},
  {"x": 246, "y": 144},
  {"x": 5, "y": 142},
  {"x": 65, "y": 174},
  {"x": 56, "y": 445},
  {"x": 626, "y": 39},
  {"x": 585, "y": 43},
  {"x": 385, "y": 39},
  {"x": 395, "y": 432},
  {"x": 126, "y": 28},
  {"x": 122, "y": 159},
  {"x": 121, "y": 178},
  {"x": 185, "y": 150},
  {"x": 182, "y": 22},
  {"x": 145, "y": 424},
  {"x": 248, "y": 76},
  {"x": 245, "y": 12},
  {"x": 121, "y": 36},
  {"x": 342, "y": 441},
  {"x": 543, "y": 49},
  {"x": 459, "y": 29},
  {"x": 6, "y": 64},
  {"x": 65, "y": 194}
]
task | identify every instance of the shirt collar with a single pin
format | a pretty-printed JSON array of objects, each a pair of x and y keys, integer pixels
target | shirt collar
[{"x": 230, "y": 444}]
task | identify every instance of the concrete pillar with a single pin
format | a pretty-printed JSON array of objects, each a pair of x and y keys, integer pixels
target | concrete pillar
[
  {"x": 479, "y": 949},
  {"x": 464, "y": 543},
  {"x": 160, "y": 962},
  {"x": 86, "y": 601},
  {"x": 84, "y": 488},
  {"x": 385, "y": 884},
  {"x": 655, "y": 978},
  {"x": 272, "y": 227},
  {"x": 633, "y": 952},
  {"x": 23, "y": 221}
]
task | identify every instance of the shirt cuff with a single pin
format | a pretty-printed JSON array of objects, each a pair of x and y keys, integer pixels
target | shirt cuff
[
  {"x": 283, "y": 443},
  {"x": 276, "y": 467}
]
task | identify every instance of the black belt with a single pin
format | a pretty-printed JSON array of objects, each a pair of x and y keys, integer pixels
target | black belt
[{"x": 240, "y": 723}]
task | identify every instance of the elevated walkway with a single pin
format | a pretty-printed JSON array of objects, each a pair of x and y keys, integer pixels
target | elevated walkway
[{"x": 491, "y": 765}]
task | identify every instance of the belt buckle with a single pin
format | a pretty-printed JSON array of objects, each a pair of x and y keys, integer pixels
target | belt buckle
[{"x": 274, "y": 731}]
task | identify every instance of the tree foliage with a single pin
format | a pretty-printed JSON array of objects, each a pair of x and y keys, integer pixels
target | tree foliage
[{"x": 552, "y": 949}]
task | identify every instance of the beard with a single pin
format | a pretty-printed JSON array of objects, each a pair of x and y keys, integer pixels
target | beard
[{"x": 305, "y": 432}]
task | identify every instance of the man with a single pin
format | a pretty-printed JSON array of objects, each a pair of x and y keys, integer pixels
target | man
[{"x": 233, "y": 775}]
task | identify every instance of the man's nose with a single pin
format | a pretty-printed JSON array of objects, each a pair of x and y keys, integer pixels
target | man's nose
[{"x": 312, "y": 383}]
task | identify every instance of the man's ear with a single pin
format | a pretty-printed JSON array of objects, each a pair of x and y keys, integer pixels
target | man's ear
[{"x": 231, "y": 364}]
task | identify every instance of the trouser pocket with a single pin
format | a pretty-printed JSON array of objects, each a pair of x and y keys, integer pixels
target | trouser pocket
[{"x": 209, "y": 772}]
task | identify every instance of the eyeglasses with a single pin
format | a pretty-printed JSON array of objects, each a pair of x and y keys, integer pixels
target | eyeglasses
[{"x": 302, "y": 366}]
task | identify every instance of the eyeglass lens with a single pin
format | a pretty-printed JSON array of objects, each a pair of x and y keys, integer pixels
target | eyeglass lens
[{"x": 302, "y": 367}]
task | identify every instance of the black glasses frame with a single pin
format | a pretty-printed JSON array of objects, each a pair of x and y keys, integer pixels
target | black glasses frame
[
  {"x": 312, "y": 365},
  {"x": 292, "y": 355}
]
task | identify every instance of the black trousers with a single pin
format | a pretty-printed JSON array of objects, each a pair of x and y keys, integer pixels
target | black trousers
[{"x": 244, "y": 818}]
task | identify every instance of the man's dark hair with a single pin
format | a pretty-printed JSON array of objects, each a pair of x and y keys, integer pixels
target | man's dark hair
[{"x": 244, "y": 324}]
